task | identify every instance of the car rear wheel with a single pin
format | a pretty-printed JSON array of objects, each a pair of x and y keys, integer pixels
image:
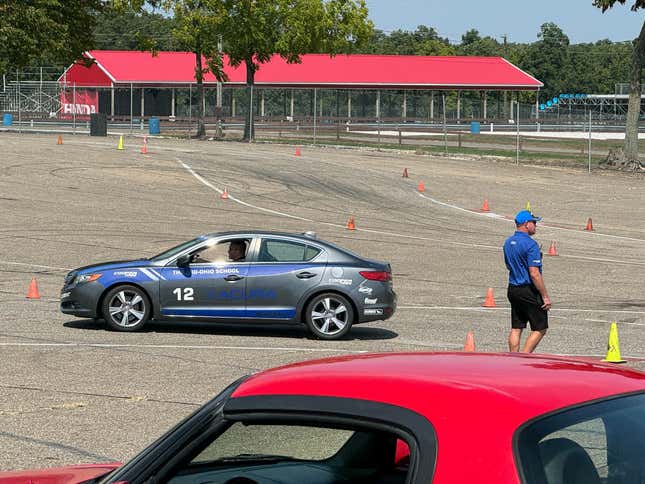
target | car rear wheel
[
  {"x": 329, "y": 316},
  {"x": 126, "y": 308}
]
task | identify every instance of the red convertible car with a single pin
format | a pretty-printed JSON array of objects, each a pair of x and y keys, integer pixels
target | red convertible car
[{"x": 403, "y": 418}]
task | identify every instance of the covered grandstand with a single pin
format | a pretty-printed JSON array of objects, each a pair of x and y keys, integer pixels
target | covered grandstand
[{"x": 344, "y": 87}]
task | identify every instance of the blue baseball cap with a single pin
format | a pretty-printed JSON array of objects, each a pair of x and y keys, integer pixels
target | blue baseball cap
[{"x": 524, "y": 216}]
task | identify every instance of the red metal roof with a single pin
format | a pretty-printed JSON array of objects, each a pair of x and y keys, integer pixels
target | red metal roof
[{"x": 316, "y": 70}]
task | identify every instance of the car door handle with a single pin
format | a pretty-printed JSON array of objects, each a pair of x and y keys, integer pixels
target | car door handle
[
  {"x": 305, "y": 275},
  {"x": 233, "y": 277}
]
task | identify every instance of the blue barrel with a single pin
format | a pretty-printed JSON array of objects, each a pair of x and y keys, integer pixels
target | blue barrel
[
  {"x": 474, "y": 127},
  {"x": 7, "y": 119},
  {"x": 153, "y": 126}
]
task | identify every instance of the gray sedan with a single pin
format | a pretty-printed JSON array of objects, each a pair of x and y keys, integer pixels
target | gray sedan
[{"x": 237, "y": 277}]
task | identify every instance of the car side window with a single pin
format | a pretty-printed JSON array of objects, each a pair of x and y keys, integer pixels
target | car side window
[
  {"x": 224, "y": 251},
  {"x": 276, "y": 250},
  {"x": 588, "y": 436},
  {"x": 597, "y": 443},
  {"x": 295, "y": 454}
]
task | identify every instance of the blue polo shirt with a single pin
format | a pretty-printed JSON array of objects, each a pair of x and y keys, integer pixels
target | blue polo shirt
[{"x": 520, "y": 253}]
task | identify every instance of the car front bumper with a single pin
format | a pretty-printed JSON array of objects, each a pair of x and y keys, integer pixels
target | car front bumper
[{"x": 81, "y": 300}]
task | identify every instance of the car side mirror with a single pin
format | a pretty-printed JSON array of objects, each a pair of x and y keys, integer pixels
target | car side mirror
[{"x": 183, "y": 260}]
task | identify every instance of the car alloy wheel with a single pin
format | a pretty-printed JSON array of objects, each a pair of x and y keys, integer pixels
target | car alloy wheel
[
  {"x": 126, "y": 308},
  {"x": 329, "y": 316}
]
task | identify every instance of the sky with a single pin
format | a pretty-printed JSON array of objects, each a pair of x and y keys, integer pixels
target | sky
[{"x": 519, "y": 20}]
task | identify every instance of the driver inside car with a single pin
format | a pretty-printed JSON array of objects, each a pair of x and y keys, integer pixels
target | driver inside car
[{"x": 237, "y": 250}]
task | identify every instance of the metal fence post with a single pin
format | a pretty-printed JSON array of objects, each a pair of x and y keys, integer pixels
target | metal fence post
[
  {"x": 517, "y": 121},
  {"x": 315, "y": 105},
  {"x": 590, "y": 140},
  {"x": 445, "y": 132},
  {"x": 19, "y": 103}
]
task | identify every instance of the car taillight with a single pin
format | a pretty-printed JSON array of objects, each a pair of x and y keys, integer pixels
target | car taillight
[{"x": 382, "y": 276}]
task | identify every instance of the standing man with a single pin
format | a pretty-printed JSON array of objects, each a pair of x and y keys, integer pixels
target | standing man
[{"x": 526, "y": 290}]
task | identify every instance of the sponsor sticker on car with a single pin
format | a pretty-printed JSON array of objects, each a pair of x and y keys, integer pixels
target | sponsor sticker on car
[{"x": 125, "y": 273}]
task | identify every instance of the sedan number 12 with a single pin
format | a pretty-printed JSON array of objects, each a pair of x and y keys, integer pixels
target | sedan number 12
[{"x": 186, "y": 296}]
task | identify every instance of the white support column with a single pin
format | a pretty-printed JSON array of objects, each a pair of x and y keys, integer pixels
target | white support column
[
  {"x": 485, "y": 105},
  {"x": 349, "y": 104},
  {"x": 537, "y": 105},
  {"x": 232, "y": 106},
  {"x": 458, "y": 105},
  {"x": 172, "y": 103},
  {"x": 112, "y": 101},
  {"x": 378, "y": 104},
  {"x": 262, "y": 104},
  {"x": 291, "y": 106},
  {"x": 143, "y": 96},
  {"x": 432, "y": 106},
  {"x": 404, "y": 113}
]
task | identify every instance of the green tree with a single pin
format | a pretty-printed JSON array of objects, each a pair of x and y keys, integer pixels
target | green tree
[
  {"x": 473, "y": 44},
  {"x": 197, "y": 29},
  {"x": 57, "y": 30},
  {"x": 470, "y": 37},
  {"x": 422, "y": 41},
  {"x": 547, "y": 59},
  {"x": 129, "y": 30},
  {"x": 255, "y": 30},
  {"x": 198, "y": 23},
  {"x": 630, "y": 147}
]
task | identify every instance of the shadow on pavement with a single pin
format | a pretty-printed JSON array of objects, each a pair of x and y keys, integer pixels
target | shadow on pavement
[{"x": 292, "y": 331}]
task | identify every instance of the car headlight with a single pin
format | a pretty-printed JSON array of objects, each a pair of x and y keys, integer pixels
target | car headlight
[{"x": 87, "y": 278}]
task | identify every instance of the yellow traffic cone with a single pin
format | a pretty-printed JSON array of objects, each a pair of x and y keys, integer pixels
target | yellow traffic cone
[
  {"x": 528, "y": 206},
  {"x": 120, "y": 147},
  {"x": 613, "y": 347}
]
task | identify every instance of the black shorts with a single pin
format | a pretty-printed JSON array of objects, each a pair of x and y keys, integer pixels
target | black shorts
[{"x": 526, "y": 305}]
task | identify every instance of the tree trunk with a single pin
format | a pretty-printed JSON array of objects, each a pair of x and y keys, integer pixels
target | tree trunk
[
  {"x": 199, "y": 77},
  {"x": 249, "y": 131},
  {"x": 634, "y": 107}
]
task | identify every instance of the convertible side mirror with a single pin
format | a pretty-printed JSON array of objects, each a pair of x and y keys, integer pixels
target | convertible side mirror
[{"x": 183, "y": 260}]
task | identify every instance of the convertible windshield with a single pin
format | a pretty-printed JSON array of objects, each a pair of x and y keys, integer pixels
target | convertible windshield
[{"x": 177, "y": 249}]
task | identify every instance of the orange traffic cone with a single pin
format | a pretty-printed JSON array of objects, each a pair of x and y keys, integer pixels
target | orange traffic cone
[
  {"x": 589, "y": 225},
  {"x": 350, "y": 224},
  {"x": 485, "y": 207},
  {"x": 405, "y": 173},
  {"x": 32, "y": 292},
  {"x": 144, "y": 149},
  {"x": 552, "y": 250},
  {"x": 297, "y": 151},
  {"x": 60, "y": 140},
  {"x": 224, "y": 195},
  {"x": 489, "y": 302},
  {"x": 421, "y": 187},
  {"x": 470, "y": 342}
]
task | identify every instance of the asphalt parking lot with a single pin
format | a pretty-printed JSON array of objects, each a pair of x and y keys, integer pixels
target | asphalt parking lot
[{"x": 74, "y": 392}]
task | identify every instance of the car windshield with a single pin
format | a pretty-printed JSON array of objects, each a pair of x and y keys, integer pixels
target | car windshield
[
  {"x": 294, "y": 454},
  {"x": 177, "y": 249},
  {"x": 597, "y": 443}
]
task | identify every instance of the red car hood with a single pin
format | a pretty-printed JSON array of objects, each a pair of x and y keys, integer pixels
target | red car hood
[{"x": 58, "y": 475}]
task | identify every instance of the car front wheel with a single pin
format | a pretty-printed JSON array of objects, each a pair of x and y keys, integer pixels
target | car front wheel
[
  {"x": 329, "y": 316},
  {"x": 126, "y": 308}
]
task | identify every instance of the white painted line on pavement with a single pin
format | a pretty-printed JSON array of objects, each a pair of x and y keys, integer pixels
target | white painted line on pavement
[
  {"x": 196, "y": 347},
  {"x": 413, "y": 237},
  {"x": 507, "y": 219},
  {"x": 33, "y": 265},
  {"x": 237, "y": 200},
  {"x": 507, "y": 308}
]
